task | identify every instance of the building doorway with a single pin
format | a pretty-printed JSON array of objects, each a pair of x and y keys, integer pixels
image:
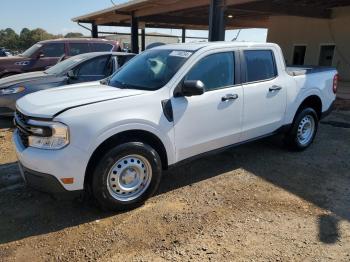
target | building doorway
[
  {"x": 326, "y": 55},
  {"x": 299, "y": 54}
]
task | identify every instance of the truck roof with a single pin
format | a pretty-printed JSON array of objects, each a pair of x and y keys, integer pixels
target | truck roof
[{"x": 200, "y": 45}]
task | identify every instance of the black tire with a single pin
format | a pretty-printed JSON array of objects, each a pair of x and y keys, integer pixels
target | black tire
[
  {"x": 291, "y": 139},
  {"x": 100, "y": 181}
]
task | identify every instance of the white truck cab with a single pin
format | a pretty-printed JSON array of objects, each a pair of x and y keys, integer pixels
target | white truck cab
[{"x": 167, "y": 105}]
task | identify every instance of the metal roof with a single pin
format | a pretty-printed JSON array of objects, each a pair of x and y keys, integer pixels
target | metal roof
[{"x": 193, "y": 14}]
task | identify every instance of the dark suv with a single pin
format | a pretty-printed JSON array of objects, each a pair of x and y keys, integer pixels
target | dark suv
[
  {"x": 3, "y": 52},
  {"x": 45, "y": 54}
]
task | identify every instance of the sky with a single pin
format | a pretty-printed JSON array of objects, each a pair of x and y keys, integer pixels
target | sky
[{"x": 55, "y": 17}]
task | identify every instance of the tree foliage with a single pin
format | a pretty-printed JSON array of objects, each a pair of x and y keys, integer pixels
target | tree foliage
[
  {"x": 11, "y": 40},
  {"x": 74, "y": 35}
]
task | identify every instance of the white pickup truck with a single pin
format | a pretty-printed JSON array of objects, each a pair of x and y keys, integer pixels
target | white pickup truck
[{"x": 168, "y": 104}]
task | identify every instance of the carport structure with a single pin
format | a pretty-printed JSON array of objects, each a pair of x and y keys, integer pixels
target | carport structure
[{"x": 212, "y": 15}]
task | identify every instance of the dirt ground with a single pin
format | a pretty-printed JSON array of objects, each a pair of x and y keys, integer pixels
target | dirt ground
[{"x": 256, "y": 202}]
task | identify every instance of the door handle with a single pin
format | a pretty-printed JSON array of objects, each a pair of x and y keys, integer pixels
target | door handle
[
  {"x": 275, "y": 88},
  {"x": 229, "y": 97}
]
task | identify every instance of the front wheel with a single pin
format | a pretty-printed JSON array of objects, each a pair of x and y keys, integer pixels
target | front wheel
[
  {"x": 303, "y": 130},
  {"x": 126, "y": 176}
]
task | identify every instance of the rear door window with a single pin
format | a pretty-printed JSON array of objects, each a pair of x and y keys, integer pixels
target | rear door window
[
  {"x": 78, "y": 48},
  {"x": 102, "y": 47},
  {"x": 53, "y": 50},
  {"x": 260, "y": 65}
]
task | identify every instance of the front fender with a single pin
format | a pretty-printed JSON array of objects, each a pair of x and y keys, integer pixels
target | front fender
[{"x": 164, "y": 137}]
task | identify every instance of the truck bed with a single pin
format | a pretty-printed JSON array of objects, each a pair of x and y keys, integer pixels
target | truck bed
[{"x": 306, "y": 70}]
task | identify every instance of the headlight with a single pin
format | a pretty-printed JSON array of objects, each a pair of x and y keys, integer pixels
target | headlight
[
  {"x": 48, "y": 135},
  {"x": 12, "y": 90}
]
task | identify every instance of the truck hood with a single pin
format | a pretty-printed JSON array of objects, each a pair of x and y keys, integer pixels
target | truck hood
[
  {"x": 49, "y": 103},
  {"x": 21, "y": 78}
]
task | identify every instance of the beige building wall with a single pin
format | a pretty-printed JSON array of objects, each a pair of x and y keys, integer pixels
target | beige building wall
[{"x": 289, "y": 31}]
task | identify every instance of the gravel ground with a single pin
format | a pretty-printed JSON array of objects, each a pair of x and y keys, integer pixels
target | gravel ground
[{"x": 256, "y": 202}]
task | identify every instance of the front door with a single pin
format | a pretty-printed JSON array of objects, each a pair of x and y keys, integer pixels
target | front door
[
  {"x": 264, "y": 94},
  {"x": 47, "y": 56},
  {"x": 212, "y": 120}
]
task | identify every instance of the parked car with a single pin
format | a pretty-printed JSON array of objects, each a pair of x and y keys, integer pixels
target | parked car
[
  {"x": 4, "y": 52},
  {"x": 81, "y": 68},
  {"x": 168, "y": 105},
  {"x": 45, "y": 54}
]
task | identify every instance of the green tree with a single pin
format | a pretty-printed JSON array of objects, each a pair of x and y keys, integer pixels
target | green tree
[
  {"x": 24, "y": 36},
  {"x": 74, "y": 35},
  {"x": 9, "y": 38}
]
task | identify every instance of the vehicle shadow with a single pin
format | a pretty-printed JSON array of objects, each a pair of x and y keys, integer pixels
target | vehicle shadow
[
  {"x": 25, "y": 213},
  {"x": 317, "y": 178}
]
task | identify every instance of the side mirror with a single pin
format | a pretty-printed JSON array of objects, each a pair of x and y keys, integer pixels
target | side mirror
[
  {"x": 192, "y": 88},
  {"x": 71, "y": 74},
  {"x": 41, "y": 55}
]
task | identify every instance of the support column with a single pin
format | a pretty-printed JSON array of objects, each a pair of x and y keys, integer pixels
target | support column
[
  {"x": 217, "y": 20},
  {"x": 94, "y": 30},
  {"x": 183, "y": 37},
  {"x": 143, "y": 39},
  {"x": 134, "y": 34}
]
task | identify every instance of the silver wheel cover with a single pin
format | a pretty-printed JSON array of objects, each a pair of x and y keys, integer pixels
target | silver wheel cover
[
  {"x": 129, "y": 178},
  {"x": 306, "y": 130}
]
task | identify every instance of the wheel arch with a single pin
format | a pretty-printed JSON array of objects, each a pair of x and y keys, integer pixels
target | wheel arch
[
  {"x": 313, "y": 101},
  {"x": 135, "y": 135}
]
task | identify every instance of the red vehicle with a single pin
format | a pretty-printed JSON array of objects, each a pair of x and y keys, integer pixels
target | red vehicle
[{"x": 45, "y": 54}]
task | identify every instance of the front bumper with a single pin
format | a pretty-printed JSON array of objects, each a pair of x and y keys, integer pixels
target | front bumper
[
  {"x": 42, "y": 167},
  {"x": 6, "y": 112},
  {"x": 8, "y": 103},
  {"x": 46, "y": 183}
]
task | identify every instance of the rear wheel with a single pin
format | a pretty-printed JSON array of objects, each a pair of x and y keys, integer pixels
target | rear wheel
[
  {"x": 126, "y": 176},
  {"x": 303, "y": 131}
]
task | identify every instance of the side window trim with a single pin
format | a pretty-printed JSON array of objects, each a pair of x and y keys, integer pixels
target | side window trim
[
  {"x": 244, "y": 67},
  {"x": 237, "y": 69}
]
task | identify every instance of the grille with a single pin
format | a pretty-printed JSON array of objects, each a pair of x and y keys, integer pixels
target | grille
[
  {"x": 23, "y": 137},
  {"x": 22, "y": 134},
  {"x": 21, "y": 116}
]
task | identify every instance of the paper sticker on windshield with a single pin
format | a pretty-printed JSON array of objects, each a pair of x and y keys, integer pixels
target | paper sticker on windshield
[{"x": 183, "y": 54}]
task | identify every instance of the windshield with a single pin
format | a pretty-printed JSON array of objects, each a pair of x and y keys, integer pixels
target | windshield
[
  {"x": 150, "y": 70},
  {"x": 29, "y": 52},
  {"x": 62, "y": 67}
]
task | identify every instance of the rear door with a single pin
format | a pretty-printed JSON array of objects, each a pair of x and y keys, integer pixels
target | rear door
[
  {"x": 212, "y": 120},
  {"x": 264, "y": 93},
  {"x": 102, "y": 47}
]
